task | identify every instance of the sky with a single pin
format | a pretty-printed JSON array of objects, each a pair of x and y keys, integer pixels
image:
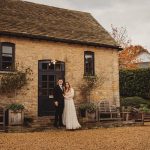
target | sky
[{"x": 134, "y": 15}]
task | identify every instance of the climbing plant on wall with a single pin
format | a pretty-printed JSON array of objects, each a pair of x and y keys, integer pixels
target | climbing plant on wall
[{"x": 12, "y": 81}]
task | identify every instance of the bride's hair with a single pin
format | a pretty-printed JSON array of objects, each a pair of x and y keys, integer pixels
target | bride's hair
[{"x": 66, "y": 87}]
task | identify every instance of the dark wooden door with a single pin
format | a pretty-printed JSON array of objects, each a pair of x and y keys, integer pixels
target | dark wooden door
[{"x": 48, "y": 74}]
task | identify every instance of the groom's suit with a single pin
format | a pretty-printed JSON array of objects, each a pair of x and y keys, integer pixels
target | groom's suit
[{"x": 58, "y": 97}]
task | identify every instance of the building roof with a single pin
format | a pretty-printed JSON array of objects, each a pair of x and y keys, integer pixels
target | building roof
[{"x": 26, "y": 19}]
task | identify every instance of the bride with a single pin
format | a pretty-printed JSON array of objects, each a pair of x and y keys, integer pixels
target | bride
[{"x": 69, "y": 114}]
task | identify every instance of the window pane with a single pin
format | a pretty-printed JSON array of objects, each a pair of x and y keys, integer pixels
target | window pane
[
  {"x": 58, "y": 67},
  {"x": 7, "y": 49},
  {"x": 44, "y": 77},
  {"x": 44, "y": 66},
  {"x": 51, "y": 78},
  {"x": 88, "y": 56},
  {"x": 6, "y": 65},
  {"x": 51, "y": 85},
  {"x": 7, "y": 57},
  {"x": 51, "y": 66},
  {"x": 44, "y": 84},
  {"x": 89, "y": 63},
  {"x": 62, "y": 67}
]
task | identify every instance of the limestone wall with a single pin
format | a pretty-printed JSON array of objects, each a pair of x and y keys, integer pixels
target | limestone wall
[{"x": 29, "y": 51}]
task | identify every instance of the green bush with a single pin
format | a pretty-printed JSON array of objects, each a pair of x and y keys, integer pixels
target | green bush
[
  {"x": 144, "y": 108},
  {"x": 15, "y": 107},
  {"x": 83, "y": 106},
  {"x": 134, "y": 101},
  {"x": 89, "y": 107},
  {"x": 135, "y": 83}
]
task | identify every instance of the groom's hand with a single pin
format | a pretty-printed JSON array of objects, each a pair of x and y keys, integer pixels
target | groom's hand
[{"x": 56, "y": 103}]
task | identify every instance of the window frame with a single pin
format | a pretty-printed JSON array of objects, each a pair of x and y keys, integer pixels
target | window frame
[
  {"x": 13, "y": 55},
  {"x": 92, "y": 73}
]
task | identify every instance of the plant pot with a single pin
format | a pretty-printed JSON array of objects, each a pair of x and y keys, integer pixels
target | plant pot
[
  {"x": 15, "y": 117},
  {"x": 83, "y": 113},
  {"x": 91, "y": 116}
]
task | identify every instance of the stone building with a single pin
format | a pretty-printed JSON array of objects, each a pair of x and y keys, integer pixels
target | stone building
[{"x": 55, "y": 42}]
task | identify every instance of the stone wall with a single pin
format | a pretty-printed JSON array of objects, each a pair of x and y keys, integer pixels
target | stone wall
[{"x": 29, "y": 51}]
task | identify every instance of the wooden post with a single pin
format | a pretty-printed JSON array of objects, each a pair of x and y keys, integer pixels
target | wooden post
[
  {"x": 127, "y": 116},
  {"x": 97, "y": 115},
  {"x": 143, "y": 118}
]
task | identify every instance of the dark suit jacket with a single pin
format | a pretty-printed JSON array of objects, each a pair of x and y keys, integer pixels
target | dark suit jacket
[{"x": 58, "y": 95}]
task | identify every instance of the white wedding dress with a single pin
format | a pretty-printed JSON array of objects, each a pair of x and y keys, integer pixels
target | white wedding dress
[{"x": 69, "y": 114}]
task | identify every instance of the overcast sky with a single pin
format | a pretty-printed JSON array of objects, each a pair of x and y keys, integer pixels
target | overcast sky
[{"x": 132, "y": 14}]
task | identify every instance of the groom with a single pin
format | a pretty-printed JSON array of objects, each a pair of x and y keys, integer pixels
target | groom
[{"x": 59, "y": 103}]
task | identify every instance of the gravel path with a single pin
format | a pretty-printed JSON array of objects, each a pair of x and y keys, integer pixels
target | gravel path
[{"x": 121, "y": 138}]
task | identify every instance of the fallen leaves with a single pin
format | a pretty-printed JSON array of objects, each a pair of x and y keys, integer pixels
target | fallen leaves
[{"x": 121, "y": 138}]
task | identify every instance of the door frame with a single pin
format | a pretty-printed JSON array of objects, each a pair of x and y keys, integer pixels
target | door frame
[{"x": 54, "y": 72}]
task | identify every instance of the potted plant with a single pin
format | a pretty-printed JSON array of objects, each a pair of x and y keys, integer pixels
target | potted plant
[
  {"x": 91, "y": 108},
  {"x": 82, "y": 109},
  {"x": 15, "y": 114},
  {"x": 91, "y": 111}
]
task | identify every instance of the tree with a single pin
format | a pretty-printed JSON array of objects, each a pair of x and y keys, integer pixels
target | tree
[
  {"x": 128, "y": 55},
  {"x": 121, "y": 36}
]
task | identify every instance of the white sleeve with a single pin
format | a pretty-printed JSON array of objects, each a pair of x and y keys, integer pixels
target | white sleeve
[{"x": 71, "y": 94}]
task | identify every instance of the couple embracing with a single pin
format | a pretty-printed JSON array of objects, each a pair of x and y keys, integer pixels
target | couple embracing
[{"x": 65, "y": 112}]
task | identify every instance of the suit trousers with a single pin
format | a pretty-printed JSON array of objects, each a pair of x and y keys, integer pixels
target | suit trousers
[{"x": 58, "y": 115}]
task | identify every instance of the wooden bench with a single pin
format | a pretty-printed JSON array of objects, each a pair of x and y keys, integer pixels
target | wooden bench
[
  {"x": 106, "y": 112},
  {"x": 146, "y": 117}
]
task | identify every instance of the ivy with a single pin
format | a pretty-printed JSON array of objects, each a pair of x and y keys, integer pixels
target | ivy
[{"x": 10, "y": 82}]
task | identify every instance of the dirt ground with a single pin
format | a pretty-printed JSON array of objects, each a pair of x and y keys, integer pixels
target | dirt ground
[{"x": 120, "y": 138}]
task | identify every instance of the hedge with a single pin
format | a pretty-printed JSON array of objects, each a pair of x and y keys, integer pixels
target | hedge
[
  {"x": 134, "y": 101},
  {"x": 135, "y": 83}
]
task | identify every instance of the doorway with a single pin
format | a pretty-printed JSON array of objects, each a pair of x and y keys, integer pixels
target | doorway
[{"x": 48, "y": 73}]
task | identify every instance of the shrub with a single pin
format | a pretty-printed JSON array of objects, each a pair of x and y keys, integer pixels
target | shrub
[
  {"x": 89, "y": 107},
  {"x": 15, "y": 107},
  {"x": 135, "y": 83},
  {"x": 134, "y": 101},
  {"x": 144, "y": 108},
  {"x": 82, "y": 107}
]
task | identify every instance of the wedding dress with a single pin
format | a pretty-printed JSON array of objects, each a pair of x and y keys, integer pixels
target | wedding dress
[{"x": 69, "y": 114}]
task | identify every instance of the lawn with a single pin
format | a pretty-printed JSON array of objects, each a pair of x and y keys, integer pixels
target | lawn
[{"x": 120, "y": 138}]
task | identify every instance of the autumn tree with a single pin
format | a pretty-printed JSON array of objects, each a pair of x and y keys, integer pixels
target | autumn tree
[{"x": 128, "y": 55}]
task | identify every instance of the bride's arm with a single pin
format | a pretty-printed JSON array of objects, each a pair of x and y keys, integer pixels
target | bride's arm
[{"x": 70, "y": 94}]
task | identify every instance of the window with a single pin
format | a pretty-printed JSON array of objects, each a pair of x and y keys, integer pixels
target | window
[
  {"x": 89, "y": 63},
  {"x": 7, "y": 52}
]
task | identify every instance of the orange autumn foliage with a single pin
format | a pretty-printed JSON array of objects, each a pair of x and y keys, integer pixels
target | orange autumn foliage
[{"x": 127, "y": 55}]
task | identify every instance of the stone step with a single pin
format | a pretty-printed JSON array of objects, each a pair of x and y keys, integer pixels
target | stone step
[{"x": 42, "y": 122}]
